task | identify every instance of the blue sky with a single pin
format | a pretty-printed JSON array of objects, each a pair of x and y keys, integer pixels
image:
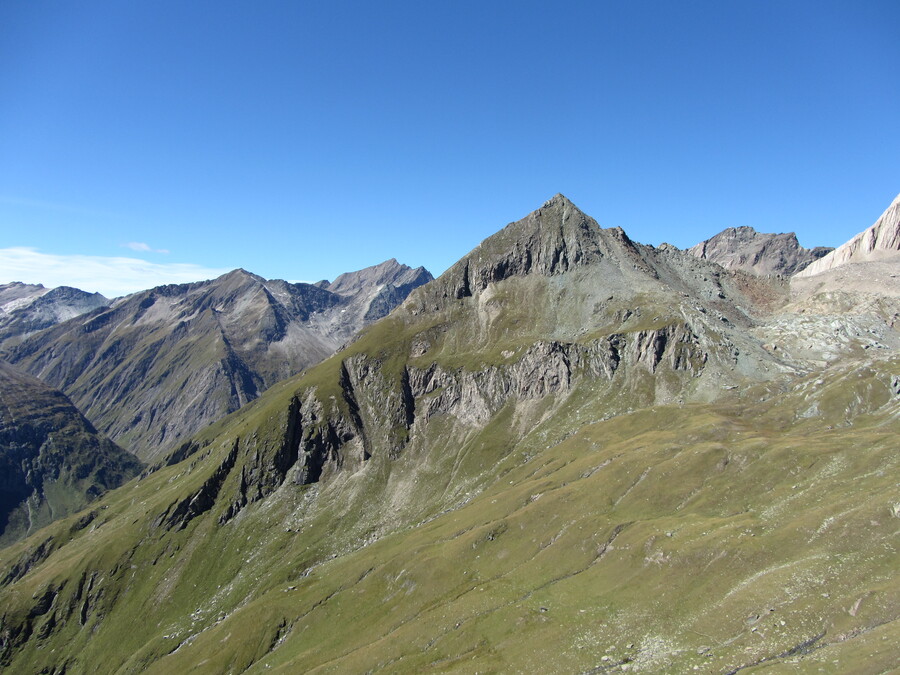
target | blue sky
[{"x": 171, "y": 140}]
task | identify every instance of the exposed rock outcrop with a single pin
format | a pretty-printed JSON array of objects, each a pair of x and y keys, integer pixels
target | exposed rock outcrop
[
  {"x": 881, "y": 242},
  {"x": 745, "y": 249},
  {"x": 555, "y": 239},
  {"x": 381, "y": 410}
]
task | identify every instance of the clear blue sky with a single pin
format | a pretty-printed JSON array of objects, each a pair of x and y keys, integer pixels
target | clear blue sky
[{"x": 302, "y": 139}]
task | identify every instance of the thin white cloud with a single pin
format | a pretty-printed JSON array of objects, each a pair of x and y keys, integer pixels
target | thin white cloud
[
  {"x": 141, "y": 246},
  {"x": 111, "y": 276},
  {"x": 54, "y": 206}
]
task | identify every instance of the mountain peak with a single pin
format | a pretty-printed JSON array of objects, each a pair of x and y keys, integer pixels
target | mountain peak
[
  {"x": 389, "y": 272},
  {"x": 555, "y": 238},
  {"x": 241, "y": 273},
  {"x": 559, "y": 199},
  {"x": 743, "y": 248}
]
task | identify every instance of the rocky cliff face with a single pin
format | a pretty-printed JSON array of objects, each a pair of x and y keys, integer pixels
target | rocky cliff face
[
  {"x": 52, "y": 461},
  {"x": 566, "y": 426},
  {"x": 156, "y": 366},
  {"x": 881, "y": 242},
  {"x": 549, "y": 304},
  {"x": 745, "y": 249},
  {"x": 370, "y": 294},
  {"x": 26, "y": 309},
  {"x": 555, "y": 239}
]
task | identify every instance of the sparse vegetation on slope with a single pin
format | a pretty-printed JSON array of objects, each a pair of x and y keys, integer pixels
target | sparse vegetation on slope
[
  {"x": 712, "y": 535},
  {"x": 52, "y": 461},
  {"x": 530, "y": 466}
]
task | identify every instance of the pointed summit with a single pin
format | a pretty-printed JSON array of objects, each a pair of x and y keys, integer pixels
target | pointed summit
[
  {"x": 547, "y": 241},
  {"x": 389, "y": 272},
  {"x": 552, "y": 240},
  {"x": 559, "y": 199}
]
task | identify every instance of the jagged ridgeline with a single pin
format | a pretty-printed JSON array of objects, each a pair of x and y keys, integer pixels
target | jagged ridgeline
[
  {"x": 157, "y": 366},
  {"x": 566, "y": 454},
  {"x": 759, "y": 253}
]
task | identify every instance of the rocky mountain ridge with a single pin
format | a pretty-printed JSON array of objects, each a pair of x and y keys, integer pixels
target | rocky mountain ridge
[
  {"x": 743, "y": 248},
  {"x": 880, "y": 242},
  {"x": 571, "y": 448},
  {"x": 17, "y": 294},
  {"x": 154, "y": 367},
  {"x": 26, "y": 309}
]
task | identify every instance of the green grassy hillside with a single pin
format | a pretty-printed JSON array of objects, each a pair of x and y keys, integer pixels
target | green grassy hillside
[
  {"x": 569, "y": 456},
  {"x": 720, "y": 536}
]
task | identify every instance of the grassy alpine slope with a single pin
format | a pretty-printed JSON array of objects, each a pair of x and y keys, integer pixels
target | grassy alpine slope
[{"x": 565, "y": 455}]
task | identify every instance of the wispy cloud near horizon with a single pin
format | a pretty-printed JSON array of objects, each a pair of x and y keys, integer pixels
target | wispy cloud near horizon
[
  {"x": 44, "y": 205},
  {"x": 146, "y": 248},
  {"x": 111, "y": 276}
]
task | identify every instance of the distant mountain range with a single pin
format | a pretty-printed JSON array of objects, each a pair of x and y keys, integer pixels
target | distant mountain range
[
  {"x": 571, "y": 452},
  {"x": 152, "y": 368}
]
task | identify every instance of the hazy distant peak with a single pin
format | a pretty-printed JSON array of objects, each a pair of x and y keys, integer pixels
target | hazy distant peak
[
  {"x": 388, "y": 272},
  {"x": 28, "y": 308},
  {"x": 17, "y": 294},
  {"x": 241, "y": 273},
  {"x": 20, "y": 285}
]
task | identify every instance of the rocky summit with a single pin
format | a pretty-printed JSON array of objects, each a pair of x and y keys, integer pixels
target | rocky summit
[
  {"x": 743, "y": 248},
  {"x": 154, "y": 367},
  {"x": 26, "y": 309},
  {"x": 571, "y": 452}
]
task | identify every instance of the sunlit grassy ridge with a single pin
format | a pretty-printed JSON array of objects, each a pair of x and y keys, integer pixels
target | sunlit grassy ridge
[
  {"x": 565, "y": 455},
  {"x": 715, "y": 536}
]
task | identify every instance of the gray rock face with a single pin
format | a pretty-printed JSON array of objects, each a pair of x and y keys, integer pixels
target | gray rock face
[
  {"x": 17, "y": 294},
  {"x": 550, "y": 241},
  {"x": 154, "y": 367},
  {"x": 745, "y": 249},
  {"x": 388, "y": 273},
  {"x": 369, "y": 295},
  {"x": 26, "y": 309},
  {"x": 545, "y": 305},
  {"x": 549, "y": 306},
  {"x": 382, "y": 418},
  {"x": 881, "y": 242},
  {"x": 465, "y": 423},
  {"x": 52, "y": 461}
]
